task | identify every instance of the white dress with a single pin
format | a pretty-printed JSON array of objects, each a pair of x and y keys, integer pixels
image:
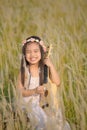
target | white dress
[
  {"x": 37, "y": 112},
  {"x": 37, "y": 115}
]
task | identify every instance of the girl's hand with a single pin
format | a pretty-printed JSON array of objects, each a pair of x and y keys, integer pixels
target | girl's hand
[
  {"x": 47, "y": 62},
  {"x": 40, "y": 90}
]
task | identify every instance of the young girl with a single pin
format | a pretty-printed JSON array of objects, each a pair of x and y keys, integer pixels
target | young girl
[{"x": 31, "y": 77}]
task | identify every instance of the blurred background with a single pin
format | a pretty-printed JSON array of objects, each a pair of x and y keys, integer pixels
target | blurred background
[{"x": 62, "y": 23}]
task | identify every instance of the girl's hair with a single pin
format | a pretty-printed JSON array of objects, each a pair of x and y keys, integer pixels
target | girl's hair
[{"x": 25, "y": 63}]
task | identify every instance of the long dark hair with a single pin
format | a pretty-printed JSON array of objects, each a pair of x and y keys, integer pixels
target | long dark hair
[{"x": 41, "y": 63}]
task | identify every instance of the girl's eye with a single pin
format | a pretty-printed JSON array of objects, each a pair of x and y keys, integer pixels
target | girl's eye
[{"x": 29, "y": 52}]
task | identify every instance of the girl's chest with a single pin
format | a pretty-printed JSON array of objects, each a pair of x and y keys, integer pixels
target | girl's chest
[{"x": 34, "y": 82}]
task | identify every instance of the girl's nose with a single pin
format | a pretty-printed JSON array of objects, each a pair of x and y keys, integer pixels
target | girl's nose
[{"x": 32, "y": 54}]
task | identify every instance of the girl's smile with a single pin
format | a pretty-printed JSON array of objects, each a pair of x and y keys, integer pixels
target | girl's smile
[{"x": 33, "y": 54}]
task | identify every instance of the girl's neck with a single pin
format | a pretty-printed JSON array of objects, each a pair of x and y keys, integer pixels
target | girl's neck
[
  {"x": 34, "y": 66},
  {"x": 34, "y": 70}
]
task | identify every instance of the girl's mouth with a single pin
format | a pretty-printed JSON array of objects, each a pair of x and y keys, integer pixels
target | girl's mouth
[{"x": 33, "y": 59}]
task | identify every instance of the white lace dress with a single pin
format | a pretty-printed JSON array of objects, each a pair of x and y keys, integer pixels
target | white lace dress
[
  {"x": 37, "y": 112},
  {"x": 37, "y": 115}
]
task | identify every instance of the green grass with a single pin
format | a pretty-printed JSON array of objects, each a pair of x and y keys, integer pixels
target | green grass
[{"x": 63, "y": 24}]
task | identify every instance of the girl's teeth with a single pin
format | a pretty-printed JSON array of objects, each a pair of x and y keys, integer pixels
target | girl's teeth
[{"x": 32, "y": 58}]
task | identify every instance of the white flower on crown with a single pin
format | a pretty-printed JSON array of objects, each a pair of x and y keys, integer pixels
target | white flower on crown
[
  {"x": 36, "y": 40},
  {"x": 32, "y": 40}
]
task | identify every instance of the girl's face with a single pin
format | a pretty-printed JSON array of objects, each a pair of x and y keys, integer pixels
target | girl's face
[{"x": 33, "y": 54}]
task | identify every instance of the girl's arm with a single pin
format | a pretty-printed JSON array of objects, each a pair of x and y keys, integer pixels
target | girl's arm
[
  {"x": 52, "y": 72},
  {"x": 26, "y": 93}
]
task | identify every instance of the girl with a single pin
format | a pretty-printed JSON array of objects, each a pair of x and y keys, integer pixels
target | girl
[{"x": 31, "y": 77}]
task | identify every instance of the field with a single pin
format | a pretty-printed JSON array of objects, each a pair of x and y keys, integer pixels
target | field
[{"x": 62, "y": 23}]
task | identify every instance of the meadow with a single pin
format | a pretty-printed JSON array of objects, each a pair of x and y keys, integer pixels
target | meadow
[{"x": 62, "y": 23}]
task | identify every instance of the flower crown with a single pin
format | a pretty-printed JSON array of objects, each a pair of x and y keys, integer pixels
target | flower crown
[{"x": 35, "y": 40}]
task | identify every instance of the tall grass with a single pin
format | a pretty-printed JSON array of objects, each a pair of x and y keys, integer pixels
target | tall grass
[{"x": 62, "y": 23}]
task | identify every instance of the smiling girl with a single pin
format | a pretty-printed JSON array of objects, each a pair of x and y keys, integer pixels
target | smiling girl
[{"x": 31, "y": 76}]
